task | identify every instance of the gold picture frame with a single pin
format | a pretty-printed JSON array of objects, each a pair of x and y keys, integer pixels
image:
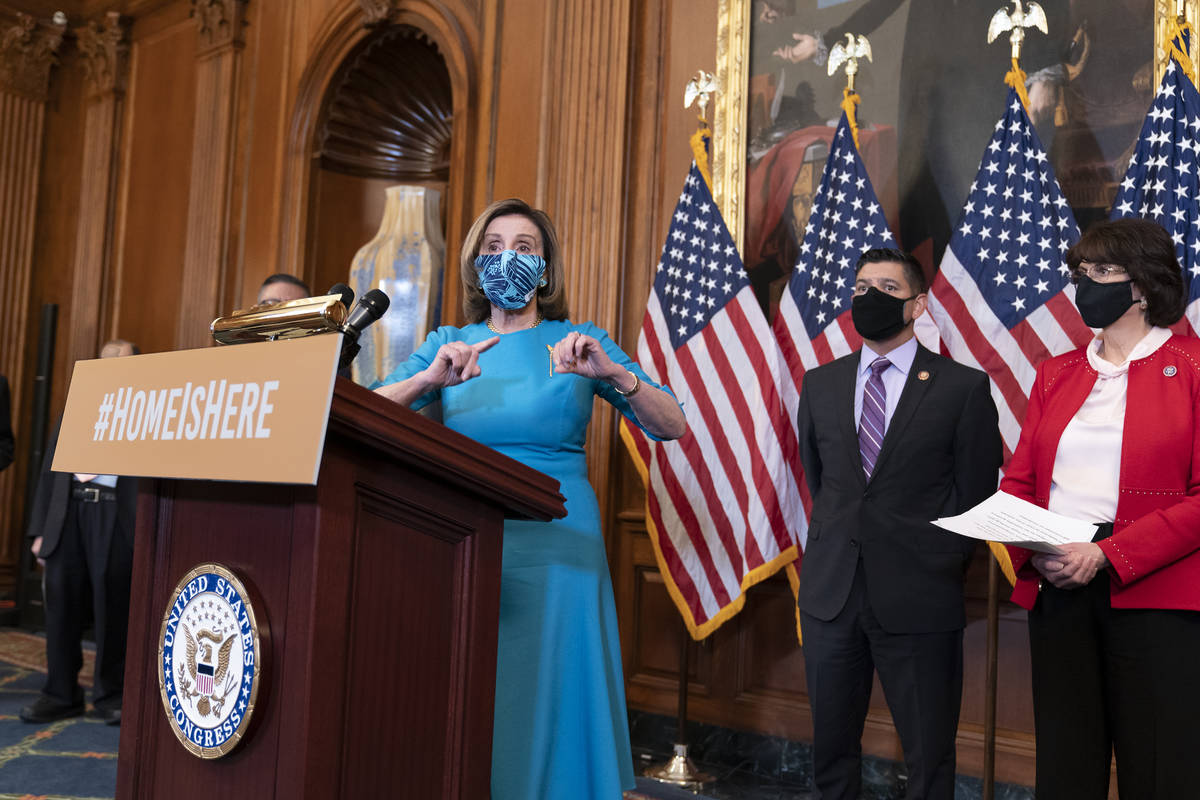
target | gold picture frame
[{"x": 733, "y": 57}]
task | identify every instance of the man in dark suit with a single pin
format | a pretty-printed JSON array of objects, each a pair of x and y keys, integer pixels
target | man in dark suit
[
  {"x": 891, "y": 437},
  {"x": 82, "y": 529}
]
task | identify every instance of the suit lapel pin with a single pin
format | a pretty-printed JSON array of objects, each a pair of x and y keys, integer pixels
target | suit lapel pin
[
  {"x": 1169, "y": 371},
  {"x": 923, "y": 375}
]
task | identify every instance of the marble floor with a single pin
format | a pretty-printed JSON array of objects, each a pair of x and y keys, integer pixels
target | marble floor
[{"x": 750, "y": 766}]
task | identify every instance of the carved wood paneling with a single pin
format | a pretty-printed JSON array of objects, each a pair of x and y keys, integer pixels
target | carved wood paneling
[
  {"x": 155, "y": 167},
  {"x": 28, "y": 51},
  {"x": 210, "y": 190},
  {"x": 390, "y": 114},
  {"x": 581, "y": 183},
  {"x": 104, "y": 47},
  {"x": 220, "y": 24},
  {"x": 376, "y": 11}
]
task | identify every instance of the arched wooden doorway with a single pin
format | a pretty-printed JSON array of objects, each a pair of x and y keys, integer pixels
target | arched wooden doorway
[{"x": 377, "y": 104}]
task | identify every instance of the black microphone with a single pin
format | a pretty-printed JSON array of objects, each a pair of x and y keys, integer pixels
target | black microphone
[
  {"x": 347, "y": 294},
  {"x": 371, "y": 306}
]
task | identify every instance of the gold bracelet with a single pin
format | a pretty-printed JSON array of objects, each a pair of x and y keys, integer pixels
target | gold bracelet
[{"x": 637, "y": 384}]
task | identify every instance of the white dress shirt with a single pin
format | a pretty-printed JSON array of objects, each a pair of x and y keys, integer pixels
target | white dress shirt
[
  {"x": 1087, "y": 466},
  {"x": 893, "y": 378}
]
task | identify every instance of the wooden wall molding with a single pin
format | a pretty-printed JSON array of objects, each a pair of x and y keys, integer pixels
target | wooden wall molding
[
  {"x": 28, "y": 50},
  {"x": 376, "y": 11},
  {"x": 221, "y": 25},
  {"x": 342, "y": 32},
  {"x": 211, "y": 188},
  {"x": 581, "y": 177},
  {"x": 105, "y": 49}
]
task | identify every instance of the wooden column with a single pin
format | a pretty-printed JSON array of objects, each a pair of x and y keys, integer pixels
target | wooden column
[
  {"x": 105, "y": 50},
  {"x": 210, "y": 195},
  {"x": 581, "y": 177},
  {"x": 27, "y": 54}
]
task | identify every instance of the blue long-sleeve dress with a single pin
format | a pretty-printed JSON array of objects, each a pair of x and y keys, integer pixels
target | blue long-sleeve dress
[{"x": 560, "y": 724}]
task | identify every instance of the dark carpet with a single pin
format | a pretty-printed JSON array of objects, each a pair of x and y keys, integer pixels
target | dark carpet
[{"x": 74, "y": 759}]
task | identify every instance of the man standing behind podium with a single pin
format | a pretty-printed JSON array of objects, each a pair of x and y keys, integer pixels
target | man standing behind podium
[
  {"x": 281, "y": 288},
  {"x": 891, "y": 437},
  {"x": 82, "y": 529}
]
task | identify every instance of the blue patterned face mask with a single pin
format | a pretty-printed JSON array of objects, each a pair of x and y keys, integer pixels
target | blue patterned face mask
[{"x": 509, "y": 279}]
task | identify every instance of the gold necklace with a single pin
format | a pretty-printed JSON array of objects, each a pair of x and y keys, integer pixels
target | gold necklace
[{"x": 494, "y": 329}]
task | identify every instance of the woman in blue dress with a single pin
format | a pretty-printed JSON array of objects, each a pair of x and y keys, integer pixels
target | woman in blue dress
[{"x": 521, "y": 378}]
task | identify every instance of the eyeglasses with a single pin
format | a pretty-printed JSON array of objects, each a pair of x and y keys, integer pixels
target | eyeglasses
[{"x": 1100, "y": 273}]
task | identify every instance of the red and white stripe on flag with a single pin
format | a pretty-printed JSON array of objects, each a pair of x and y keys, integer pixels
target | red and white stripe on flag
[{"x": 723, "y": 506}]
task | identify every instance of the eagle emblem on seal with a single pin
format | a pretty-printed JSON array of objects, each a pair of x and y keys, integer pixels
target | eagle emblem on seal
[{"x": 204, "y": 677}]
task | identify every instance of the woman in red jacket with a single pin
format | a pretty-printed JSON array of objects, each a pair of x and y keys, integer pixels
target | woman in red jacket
[{"x": 1112, "y": 436}]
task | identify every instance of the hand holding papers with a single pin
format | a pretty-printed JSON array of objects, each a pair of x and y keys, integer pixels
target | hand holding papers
[{"x": 1011, "y": 520}]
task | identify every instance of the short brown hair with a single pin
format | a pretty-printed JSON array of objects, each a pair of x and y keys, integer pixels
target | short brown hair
[
  {"x": 881, "y": 255},
  {"x": 551, "y": 299},
  {"x": 1147, "y": 253}
]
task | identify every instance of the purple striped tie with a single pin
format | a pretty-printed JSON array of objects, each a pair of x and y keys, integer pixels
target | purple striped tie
[{"x": 871, "y": 425}]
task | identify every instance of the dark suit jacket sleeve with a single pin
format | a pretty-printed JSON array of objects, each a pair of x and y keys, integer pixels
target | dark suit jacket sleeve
[
  {"x": 809, "y": 455},
  {"x": 6, "y": 433},
  {"x": 45, "y": 487},
  {"x": 979, "y": 451}
]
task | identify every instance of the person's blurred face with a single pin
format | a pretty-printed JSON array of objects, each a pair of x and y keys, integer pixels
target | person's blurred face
[
  {"x": 279, "y": 292},
  {"x": 116, "y": 350}
]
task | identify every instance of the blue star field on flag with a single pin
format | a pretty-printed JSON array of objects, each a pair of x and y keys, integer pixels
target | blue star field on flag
[
  {"x": 1163, "y": 179},
  {"x": 1016, "y": 225},
  {"x": 700, "y": 270},
  {"x": 846, "y": 219}
]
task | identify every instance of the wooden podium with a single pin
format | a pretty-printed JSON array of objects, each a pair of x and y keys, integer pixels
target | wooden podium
[{"x": 377, "y": 595}]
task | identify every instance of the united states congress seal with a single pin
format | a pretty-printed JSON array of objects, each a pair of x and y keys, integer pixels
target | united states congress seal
[{"x": 209, "y": 660}]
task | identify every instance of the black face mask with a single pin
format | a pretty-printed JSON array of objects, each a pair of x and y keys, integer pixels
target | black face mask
[
  {"x": 1102, "y": 304},
  {"x": 877, "y": 315}
]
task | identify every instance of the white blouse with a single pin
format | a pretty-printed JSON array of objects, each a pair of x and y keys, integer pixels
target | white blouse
[{"x": 1087, "y": 467}]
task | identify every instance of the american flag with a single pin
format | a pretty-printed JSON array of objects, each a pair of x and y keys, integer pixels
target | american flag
[
  {"x": 1001, "y": 299},
  {"x": 813, "y": 325},
  {"x": 204, "y": 678},
  {"x": 722, "y": 503},
  {"x": 1163, "y": 179}
]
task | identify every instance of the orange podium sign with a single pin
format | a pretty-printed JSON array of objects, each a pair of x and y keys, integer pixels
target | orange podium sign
[{"x": 251, "y": 412}]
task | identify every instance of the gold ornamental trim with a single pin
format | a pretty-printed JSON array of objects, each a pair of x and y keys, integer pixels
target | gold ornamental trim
[
  {"x": 1167, "y": 12},
  {"x": 729, "y": 119}
]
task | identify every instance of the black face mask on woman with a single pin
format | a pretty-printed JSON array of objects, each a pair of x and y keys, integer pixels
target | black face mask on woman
[
  {"x": 1102, "y": 304},
  {"x": 878, "y": 315}
]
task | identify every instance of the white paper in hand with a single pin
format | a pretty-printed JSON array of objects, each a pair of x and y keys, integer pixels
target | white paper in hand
[{"x": 1011, "y": 520}]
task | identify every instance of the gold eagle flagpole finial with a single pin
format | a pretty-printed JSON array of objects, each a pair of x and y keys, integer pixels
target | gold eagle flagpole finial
[
  {"x": 699, "y": 90},
  {"x": 847, "y": 54},
  {"x": 1015, "y": 22}
]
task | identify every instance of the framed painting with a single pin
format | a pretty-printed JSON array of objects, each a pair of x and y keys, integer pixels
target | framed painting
[{"x": 930, "y": 98}]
